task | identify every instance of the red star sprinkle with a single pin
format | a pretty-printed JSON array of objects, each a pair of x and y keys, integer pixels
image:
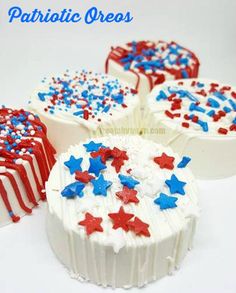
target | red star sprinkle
[
  {"x": 121, "y": 219},
  {"x": 117, "y": 153},
  {"x": 91, "y": 224},
  {"x": 104, "y": 153},
  {"x": 139, "y": 227},
  {"x": 117, "y": 163},
  {"x": 84, "y": 177},
  {"x": 127, "y": 195},
  {"x": 165, "y": 162},
  {"x": 119, "y": 158}
]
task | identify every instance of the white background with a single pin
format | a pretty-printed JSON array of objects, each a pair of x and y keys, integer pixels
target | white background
[{"x": 28, "y": 52}]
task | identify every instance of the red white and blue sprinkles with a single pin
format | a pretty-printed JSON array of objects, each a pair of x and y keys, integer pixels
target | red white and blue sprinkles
[
  {"x": 22, "y": 137},
  {"x": 158, "y": 61},
  {"x": 95, "y": 176},
  {"x": 200, "y": 105},
  {"x": 83, "y": 95}
]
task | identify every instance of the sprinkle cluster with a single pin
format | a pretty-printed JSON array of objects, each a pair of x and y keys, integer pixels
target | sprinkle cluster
[
  {"x": 17, "y": 127},
  {"x": 100, "y": 156},
  {"x": 200, "y": 105},
  {"x": 86, "y": 95},
  {"x": 174, "y": 184},
  {"x": 153, "y": 59}
]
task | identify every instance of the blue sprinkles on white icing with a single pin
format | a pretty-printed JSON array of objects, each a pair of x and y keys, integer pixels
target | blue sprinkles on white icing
[
  {"x": 83, "y": 94},
  {"x": 206, "y": 104},
  {"x": 101, "y": 185}
]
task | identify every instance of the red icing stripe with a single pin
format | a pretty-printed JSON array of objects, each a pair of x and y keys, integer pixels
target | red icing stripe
[
  {"x": 22, "y": 143},
  {"x": 17, "y": 192},
  {"x": 7, "y": 204},
  {"x": 119, "y": 53}
]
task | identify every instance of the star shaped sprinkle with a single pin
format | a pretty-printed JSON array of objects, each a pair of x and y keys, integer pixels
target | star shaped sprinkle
[
  {"x": 121, "y": 219},
  {"x": 127, "y": 195},
  {"x": 175, "y": 185},
  {"x": 73, "y": 189},
  {"x": 184, "y": 162},
  {"x": 117, "y": 153},
  {"x": 84, "y": 177},
  {"x": 96, "y": 165},
  {"x": 139, "y": 227},
  {"x": 165, "y": 161},
  {"x": 100, "y": 185},
  {"x": 119, "y": 157},
  {"x": 73, "y": 164},
  {"x": 117, "y": 163},
  {"x": 166, "y": 202},
  {"x": 103, "y": 152},
  {"x": 91, "y": 224},
  {"x": 128, "y": 181},
  {"x": 92, "y": 146}
]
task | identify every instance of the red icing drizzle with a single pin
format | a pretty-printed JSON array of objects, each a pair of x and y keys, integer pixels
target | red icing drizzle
[
  {"x": 118, "y": 53},
  {"x": 39, "y": 146}
]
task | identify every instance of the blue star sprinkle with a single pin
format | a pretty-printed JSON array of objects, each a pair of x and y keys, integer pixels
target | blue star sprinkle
[
  {"x": 74, "y": 164},
  {"x": 175, "y": 185},
  {"x": 184, "y": 162},
  {"x": 73, "y": 189},
  {"x": 96, "y": 165},
  {"x": 166, "y": 202},
  {"x": 92, "y": 146},
  {"x": 101, "y": 185},
  {"x": 128, "y": 181}
]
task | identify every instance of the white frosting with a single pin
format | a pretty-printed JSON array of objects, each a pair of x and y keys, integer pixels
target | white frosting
[
  {"x": 74, "y": 127},
  {"x": 18, "y": 161},
  {"x": 3, "y": 169},
  {"x": 143, "y": 89},
  {"x": 115, "y": 257},
  {"x": 212, "y": 153}
]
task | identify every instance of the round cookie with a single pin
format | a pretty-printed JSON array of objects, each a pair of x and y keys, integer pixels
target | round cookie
[
  {"x": 145, "y": 64},
  {"x": 26, "y": 157},
  {"x": 79, "y": 105},
  {"x": 197, "y": 118},
  {"x": 122, "y": 210}
]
